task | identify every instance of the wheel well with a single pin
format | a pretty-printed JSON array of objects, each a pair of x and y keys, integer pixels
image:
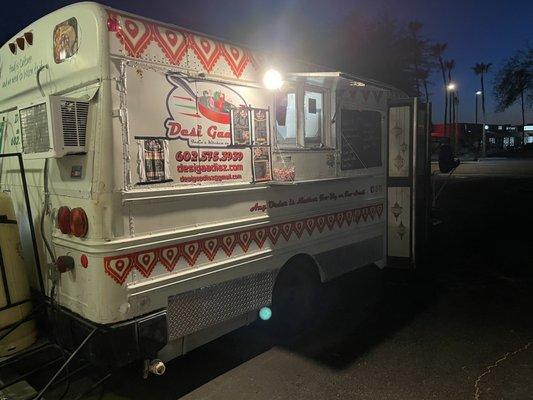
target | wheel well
[{"x": 304, "y": 260}]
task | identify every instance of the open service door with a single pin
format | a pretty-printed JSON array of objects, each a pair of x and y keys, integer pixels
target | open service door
[{"x": 408, "y": 181}]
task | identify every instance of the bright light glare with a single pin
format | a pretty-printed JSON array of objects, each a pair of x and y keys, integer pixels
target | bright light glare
[
  {"x": 265, "y": 313},
  {"x": 451, "y": 86},
  {"x": 479, "y": 92},
  {"x": 272, "y": 79}
]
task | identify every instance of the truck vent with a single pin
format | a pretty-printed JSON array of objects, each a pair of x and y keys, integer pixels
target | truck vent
[
  {"x": 74, "y": 122},
  {"x": 34, "y": 126}
]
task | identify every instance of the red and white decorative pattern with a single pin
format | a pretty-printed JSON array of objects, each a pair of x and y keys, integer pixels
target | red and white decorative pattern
[
  {"x": 365, "y": 95},
  {"x": 172, "y": 42},
  {"x": 119, "y": 267},
  {"x": 378, "y": 94},
  {"x": 236, "y": 58},
  {"x": 207, "y": 51},
  {"x": 256, "y": 59},
  {"x": 136, "y": 34}
]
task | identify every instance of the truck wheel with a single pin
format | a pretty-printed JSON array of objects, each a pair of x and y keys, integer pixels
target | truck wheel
[{"x": 294, "y": 300}]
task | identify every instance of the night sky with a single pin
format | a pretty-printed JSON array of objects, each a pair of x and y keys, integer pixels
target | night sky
[{"x": 476, "y": 31}]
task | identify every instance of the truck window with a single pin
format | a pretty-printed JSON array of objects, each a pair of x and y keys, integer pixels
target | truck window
[
  {"x": 360, "y": 139},
  {"x": 286, "y": 126},
  {"x": 313, "y": 117},
  {"x": 65, "y": 40}
]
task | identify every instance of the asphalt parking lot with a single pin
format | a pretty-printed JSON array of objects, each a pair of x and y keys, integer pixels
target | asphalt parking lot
[{"x": 460, "y": 328}]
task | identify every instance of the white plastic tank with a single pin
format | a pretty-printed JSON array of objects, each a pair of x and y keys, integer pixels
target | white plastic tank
[{"x": 17, "y": 283}]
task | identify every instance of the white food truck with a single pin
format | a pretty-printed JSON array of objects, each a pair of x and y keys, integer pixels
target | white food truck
[{"x": 176, "y": 181}]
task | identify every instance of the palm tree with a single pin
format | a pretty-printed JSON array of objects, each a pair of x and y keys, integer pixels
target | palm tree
[
  {"x": 509, "y": 85},
  {"x": 450, "y": 65},
  {"x": 414, "y": 28},
  {"x": 514, "y": 81},
  {"x": 423, "y": 75},
  {"x": 521, "y": 77},
  {"x": 437, "y": 50},
  {"x": 481, "y": 69}
]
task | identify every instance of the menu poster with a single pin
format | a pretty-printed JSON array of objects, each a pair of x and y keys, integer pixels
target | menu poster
[
  {"x": 153, "y": 155},
  {"x": 261, "y": 164},
  {"x": 260, "y": 126},
  {"x": 240, "y": 126},
  {"x": 360, "y": 139}
]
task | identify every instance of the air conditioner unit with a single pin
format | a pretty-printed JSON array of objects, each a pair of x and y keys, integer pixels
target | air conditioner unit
[{"x": 53, "y": 127}]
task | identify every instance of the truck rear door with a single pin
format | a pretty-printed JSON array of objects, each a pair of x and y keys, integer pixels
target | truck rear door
[{"x": 408, "y": 181}]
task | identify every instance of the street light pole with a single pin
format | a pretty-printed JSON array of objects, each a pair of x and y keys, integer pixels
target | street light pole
[
  {"x": 455, "y": 119},
  {"x": 476, "y": 109},
  {"x": 451, "y": 89},
  {"x": 478, "y": 93}
]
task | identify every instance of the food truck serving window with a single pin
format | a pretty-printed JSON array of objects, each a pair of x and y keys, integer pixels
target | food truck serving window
[
  {"x": 301, "y": 113},
  {"x": 313, "y": 116},
  {"x": 286, "y": 125},
  {"x": 65, "y": 40}
]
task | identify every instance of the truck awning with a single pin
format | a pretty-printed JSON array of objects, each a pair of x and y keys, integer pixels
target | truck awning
[{"x": 337, "y": 80}]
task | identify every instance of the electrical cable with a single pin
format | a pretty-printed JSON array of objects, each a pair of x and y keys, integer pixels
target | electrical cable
[
  {"x": 65, "y": 365},
  {"x": 53, "y": 321},
  {"x": 67, "y": 386},
  {"x": 53, "y": 289},
  {"x": 3, "y": 136},
  {"x": 45, "y": 209},
  {"x": 93, "y": 386},
  {"x": 55, "y": 337},
  {"x": 39, "y": 79}
]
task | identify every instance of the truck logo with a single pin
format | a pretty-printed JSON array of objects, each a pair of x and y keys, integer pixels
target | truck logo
[{"x": 199, "y": 111}]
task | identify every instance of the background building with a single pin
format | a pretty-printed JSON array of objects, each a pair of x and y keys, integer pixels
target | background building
[{"x": 469, "y": 136}]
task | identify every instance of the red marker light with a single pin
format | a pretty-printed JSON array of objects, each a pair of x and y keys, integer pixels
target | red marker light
[
  {"x": 29, "y": 37},
  {"x": 84, "y": 261},
  {"x": 79, "y": 224},
  {"x": 63, "y": 219},
  {"x": 20, "y": 42},
  {"x": 112, "y": 25}
]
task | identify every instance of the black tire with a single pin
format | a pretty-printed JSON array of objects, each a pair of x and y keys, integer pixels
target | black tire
[{"x": 294, "y": 299}]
